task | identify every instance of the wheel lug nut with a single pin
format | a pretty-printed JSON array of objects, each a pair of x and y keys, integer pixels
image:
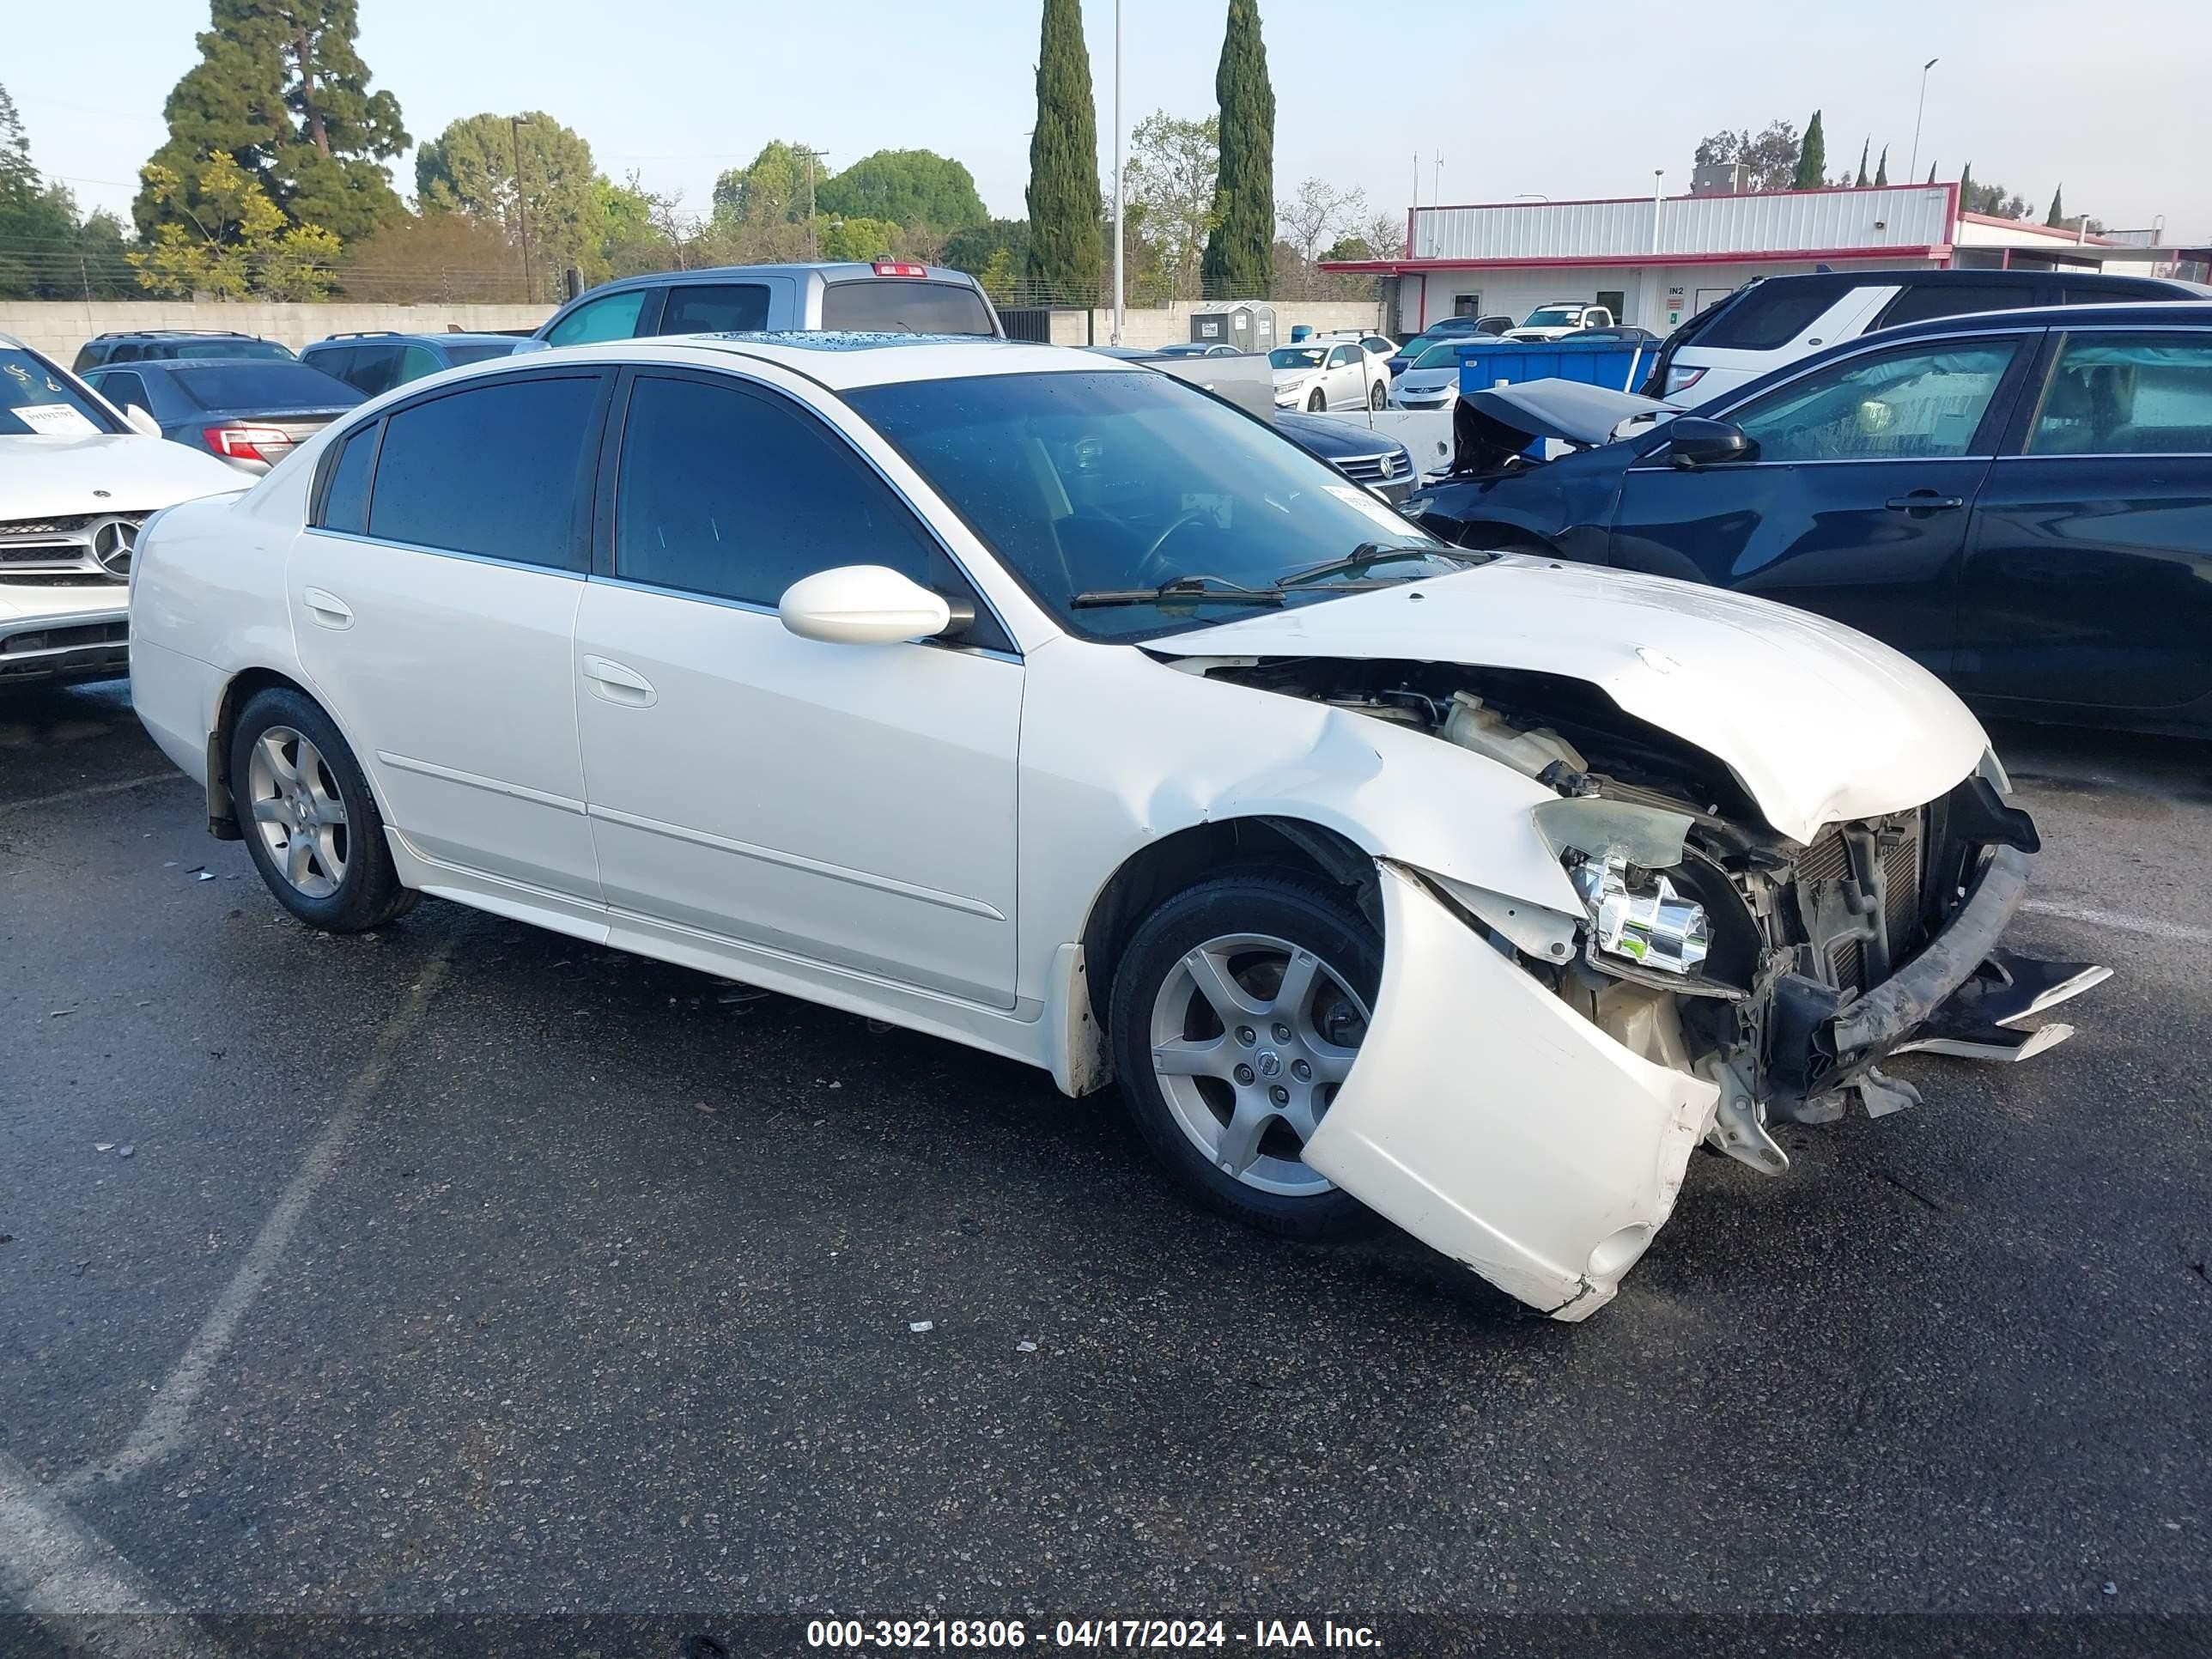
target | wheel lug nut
[
  {"x": 1300, "y": 1070},
  {"x": 1243, "y": 1074},
  {"x": 1282, "y": 1033},
  {"x": 1280, "y": 1095},
  {"x": 1246, "y": 1036}
]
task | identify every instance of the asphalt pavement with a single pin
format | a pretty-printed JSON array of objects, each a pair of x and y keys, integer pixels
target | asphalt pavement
[{"x": 463, "y": 1268}]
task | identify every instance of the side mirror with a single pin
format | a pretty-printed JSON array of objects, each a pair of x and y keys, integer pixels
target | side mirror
[
  {"x": 140, "y": 421},
  {"x": 1693, "y": 440},
  {"x": 862, "y": 604}
]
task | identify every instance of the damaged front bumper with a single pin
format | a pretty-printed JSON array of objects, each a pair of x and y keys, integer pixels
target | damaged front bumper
[{"x": 1493, "y": 1123}]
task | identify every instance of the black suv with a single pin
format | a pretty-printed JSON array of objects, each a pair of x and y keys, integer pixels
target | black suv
[{"x": 166, "y": 344}]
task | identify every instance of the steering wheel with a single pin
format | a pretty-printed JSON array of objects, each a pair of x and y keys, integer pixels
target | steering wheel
[{"x": 1152, "y": 552}]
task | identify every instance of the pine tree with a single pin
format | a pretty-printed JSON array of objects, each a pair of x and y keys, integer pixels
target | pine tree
[
  {"x": 280, "y": 88},
  {"x": 1861, "y": 181},
  {"x": 1881, "y": 168},
  {"x": 2057, "y": 214},
  {"x": 1240, "y": 254},
  {"x": 1064, "y": 256},
  {"x": 1812, "y": 158}
]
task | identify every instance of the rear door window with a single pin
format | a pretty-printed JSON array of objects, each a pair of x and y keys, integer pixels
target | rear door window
[
  {"x": 2123, "y": 394},
  {"x": 375, "y": 368},
  {"x": 716, "y": 308},
  {"x": 493, "y": 470},
  {"x": 123, "y": 388},
  {"x": 1921, "y": 301},
  {"x": 887, "y": 304},
  {"x": 345, "y": 496}
]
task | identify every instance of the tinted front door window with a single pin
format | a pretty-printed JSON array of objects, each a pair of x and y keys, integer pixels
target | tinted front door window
[
  {"x": 614, "y": 318},
  {"x": 737, "y": 495},
  {"x": 491, "y": 470}
]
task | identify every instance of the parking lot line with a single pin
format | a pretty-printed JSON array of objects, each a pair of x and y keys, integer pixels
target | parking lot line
[
  {"x": 2149, "y": 927},
  {"x": 161, "y": 1430},
  {"x": 75, "y": 1581},
  {"x": 89, "y": 790}
]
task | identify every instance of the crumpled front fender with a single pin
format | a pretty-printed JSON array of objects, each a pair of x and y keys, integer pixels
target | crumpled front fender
[{"x": 1494, "y": 1123}]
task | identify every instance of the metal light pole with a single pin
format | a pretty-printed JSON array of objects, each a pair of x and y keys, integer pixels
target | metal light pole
[
  {"x": 1120, "y": 184},
  {"x": 1658, "y": 197},
  {"x": 1913, "y": 171},
  {"x": 1414, "y": 218}
]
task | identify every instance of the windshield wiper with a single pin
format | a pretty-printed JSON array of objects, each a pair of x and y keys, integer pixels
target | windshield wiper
[
  {"x": 1215, "y": 590},
  {"x": 1370, "y": 554}
]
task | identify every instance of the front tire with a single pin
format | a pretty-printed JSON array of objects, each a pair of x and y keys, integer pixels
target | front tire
[
  {"x": 310, "y": 823},
  {"x": 1237, "y": 1010}
]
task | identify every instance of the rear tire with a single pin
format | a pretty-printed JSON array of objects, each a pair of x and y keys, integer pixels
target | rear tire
[
  {"x": 1378, "y": 394},
  {"x": 309, "y": 822},
  {"x": 1238, "y": 1012},
  {"x": 1316, "y": 404}
]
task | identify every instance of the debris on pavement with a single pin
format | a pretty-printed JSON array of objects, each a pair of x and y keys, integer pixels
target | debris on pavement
[{"x": 918, "y": 1325}]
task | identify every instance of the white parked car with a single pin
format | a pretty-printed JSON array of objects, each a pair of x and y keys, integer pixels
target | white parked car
[
  {"x": 1043, "y": 702},
  {"x": 1431, "y": 380},
  {"x": 1559, "y": 318},
  {"x": 77, "y": 480},
  {"x": 1322, "y": 374}
]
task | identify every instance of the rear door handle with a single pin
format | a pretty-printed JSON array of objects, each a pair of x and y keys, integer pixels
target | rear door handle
[
  {"x": 615, "y": 683},
  {"x": 1924, "y": 501},
  {"x": 328, "y": 610}
]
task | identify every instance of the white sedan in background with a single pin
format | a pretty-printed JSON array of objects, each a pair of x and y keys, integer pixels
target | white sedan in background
[
  {"x": 1324, "y": 374},
  {"x": 1431, "y": 380},
  {"x": 77, "y": 480},
  {"x": 1384, "y": 876}
]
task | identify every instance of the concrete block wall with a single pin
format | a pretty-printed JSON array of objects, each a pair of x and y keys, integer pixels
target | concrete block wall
[{"x": 58, "y": 327}]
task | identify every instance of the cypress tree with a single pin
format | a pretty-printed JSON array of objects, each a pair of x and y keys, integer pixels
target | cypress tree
[
  {"x": 1064, "y": 253},
  {"x": 2057, "y": 214},
  {"x": 1966, "y": 188},
  {"x": 1881, "y": 168},
  {"x": 1861, "y": 181},
  {"x": 280, "y": 87},
  {"x": 1931, "y": 173},
  {"x": 1812, "y": 158},
  {"x": 1240, "y": 254}
]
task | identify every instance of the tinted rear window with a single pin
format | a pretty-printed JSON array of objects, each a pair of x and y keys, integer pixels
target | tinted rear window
[
  {"x": 493, "y": 470},
  {"x": 891, "y": 305},
  {"x": 457, "y": 355},
  {"x": 185, "y": 349},
  {"x": 1923, "y": 301},
  {"x": 264, "y": 387},
  {"x": 1771, "y": 315},
  {"x": 725, "y": 307}
]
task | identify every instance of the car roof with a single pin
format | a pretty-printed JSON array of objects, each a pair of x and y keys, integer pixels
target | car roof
[
  {"x": 828, "y": 270},
  {"x": 2125, "y": 314},
  {"x": 835, "y": 360},
  {"x": 389, "y": 336},
  {"x": 186, "y": 365}
]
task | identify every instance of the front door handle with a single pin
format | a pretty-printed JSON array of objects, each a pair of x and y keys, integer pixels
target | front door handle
[
  {"x": 327, "y": 609},
  {"x": 1924, "y": 501},
  {"x": 615, "y": 683}
]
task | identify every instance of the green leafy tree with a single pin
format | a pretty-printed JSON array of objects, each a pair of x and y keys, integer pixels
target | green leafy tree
[
  {"x": 1172, "y": 182},
  {"x": 280, "y": 88},
  {"x": 770, "y": 189},
  {"x": 2057, "y": 214},
  {"x": 975, "y": 248},
  {"x": 1240, "y": 253},
  {"x": 857, "y": 239},
  {"x": 1812, "y": 164},
  {"x": 46, "y": 253},
  {"x": 1881, "y": 168},
  {"x": 555, "y": 204},
  {"x": 1065, "y": 258},
  {"x": 906, "y": 187},
  {"x": 1771, "y": 159},
  {"x": 639, "y": 227},
  {"x": 227, "y": 240}
]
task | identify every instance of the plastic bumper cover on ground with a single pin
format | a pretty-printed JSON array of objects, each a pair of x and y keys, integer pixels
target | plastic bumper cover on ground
[{"x": 1495, "y": 1124}]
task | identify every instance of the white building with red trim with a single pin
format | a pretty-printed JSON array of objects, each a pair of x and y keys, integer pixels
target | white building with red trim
[{"x": 1658, "y": 260}]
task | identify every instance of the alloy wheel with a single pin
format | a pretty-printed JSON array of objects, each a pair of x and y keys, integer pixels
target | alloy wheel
[
  {"x": 1252, "y": 1036},
  {"x": 297, "y": 811}
]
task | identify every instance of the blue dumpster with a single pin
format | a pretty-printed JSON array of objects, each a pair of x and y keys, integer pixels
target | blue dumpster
[{"x": 1596, "y": 362}]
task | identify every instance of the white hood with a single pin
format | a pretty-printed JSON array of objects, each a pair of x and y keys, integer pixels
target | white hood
[
  {"x": 41, "y": 475},
  {"x": 1819, "y": 722}
]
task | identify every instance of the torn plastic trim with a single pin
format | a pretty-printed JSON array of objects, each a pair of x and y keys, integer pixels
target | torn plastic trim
[
  {"x": 1866, "y": 1030},
  {"x": 1544, "y": 933},
  {"x": 1602, "y": 828}
]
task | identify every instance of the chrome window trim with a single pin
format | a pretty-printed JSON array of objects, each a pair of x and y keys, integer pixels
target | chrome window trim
[{"x": 443, "y": 552}]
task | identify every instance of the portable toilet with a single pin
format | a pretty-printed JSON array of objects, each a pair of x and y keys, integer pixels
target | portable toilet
[{"x": 1250, "y": 325}]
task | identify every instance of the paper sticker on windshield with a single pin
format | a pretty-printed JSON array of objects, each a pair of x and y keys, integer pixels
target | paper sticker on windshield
[
  {"x": 57, "y": 419},
  {"x": 1373, "y": 507}
]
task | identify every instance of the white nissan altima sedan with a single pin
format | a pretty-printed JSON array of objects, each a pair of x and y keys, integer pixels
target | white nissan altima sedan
[{"x": 1045, "y": 703}]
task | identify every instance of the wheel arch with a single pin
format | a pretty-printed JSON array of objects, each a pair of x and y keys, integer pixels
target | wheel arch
[
  {"x": 239, "y": 690},
  {"x": 1164, "y": 867}
]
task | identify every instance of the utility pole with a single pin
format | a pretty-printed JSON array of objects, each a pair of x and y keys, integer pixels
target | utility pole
[
  {"x": 1119, "y": 315},
  {"x": 1658, "y": 200},
  {"x": 1414, "y": 218},
  {"x": 1913, "y": 170},
  {"x": 521, "y": 204}
]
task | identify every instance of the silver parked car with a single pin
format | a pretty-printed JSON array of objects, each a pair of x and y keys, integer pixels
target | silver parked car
[{"x": 889, "y": 296}]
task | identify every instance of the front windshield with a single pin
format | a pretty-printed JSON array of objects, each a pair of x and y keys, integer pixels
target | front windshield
[
  {"x": 1296, "y": 356},
  {"x": 1104, "y": 480},
  {"x": 38, "y": 399},
  {"x": 1442, "y": 355},
  {"x": 1553, "y": 317}
]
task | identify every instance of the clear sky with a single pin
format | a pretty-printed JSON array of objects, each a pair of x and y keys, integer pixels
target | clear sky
[{"x": 1567, "y": 100}]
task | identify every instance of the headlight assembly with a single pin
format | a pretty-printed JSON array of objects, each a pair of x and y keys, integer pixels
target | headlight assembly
[{"x": 1648, "y": 923}]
